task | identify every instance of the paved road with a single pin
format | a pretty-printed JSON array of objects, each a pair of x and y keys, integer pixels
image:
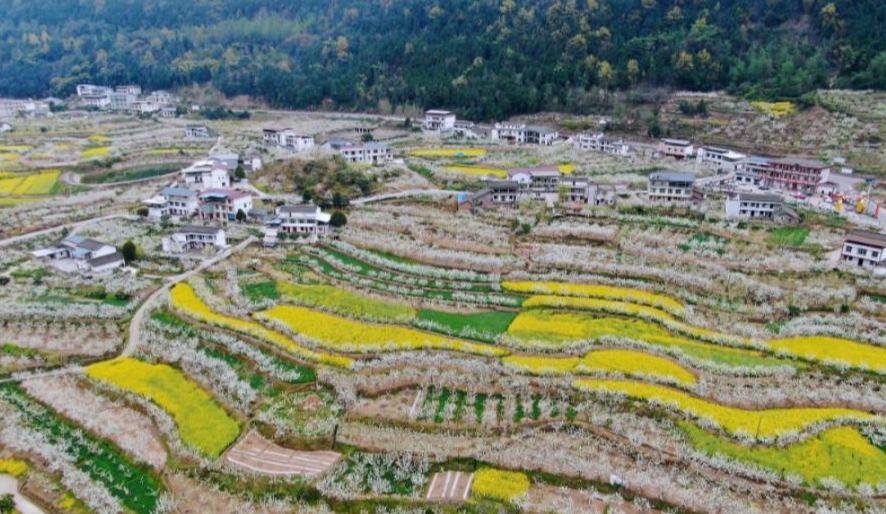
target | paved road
[
  {"x": 70, "y": 226},
  {"x": 9, "y": 485},
  {"x": 135, "y": 325},
  {"x": 404, "y": 194}
]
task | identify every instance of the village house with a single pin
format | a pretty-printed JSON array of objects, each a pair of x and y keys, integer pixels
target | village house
[
  {"x": 750, "y": 170},
  {"x": 92, "y": 90},
  {"x": 497, "y": 193},
  {"x": 372, "y": 153},
  {"x": 224, "y": 204},
  {"x": 468, "y": 130},
  {"x": 792, "y": 174},
  {"x": 211, "y": 173},
  {"x": 193, "y": 237},
  {"x": 198, "y": 132},
  {"x": 598, "y": 142},
  {"x": 287, "y": 138},
  {"x": 582, "y": 191},
  {"x": 721, "y": 159},
  {"x": 121, "y": 101},
  {"x": 767, "y": 207},
  {"x": 676, "y": 148},
  {"x": 96, "y": 101},
  {"x": 6, "y": 127},
  {"x": 865, "y": 249},
  {"x": 438, "y": 121},
  {"x": 519, "y": 133},
  {"x": 302, "y": 219},
  {"x": 130, "y": 89},
  {"x": 168, "y": 112},
  {"x": 173, "y": 201},
  {"x": 80, "y": 254},
  {"x": 671, "y": 186}
]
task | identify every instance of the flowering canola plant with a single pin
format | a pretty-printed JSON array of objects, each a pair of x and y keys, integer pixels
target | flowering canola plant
[
  {"x": 634, "y": 363},
  {"x": 184, "y": 299},
  {"x": 13, "y": 467},
  {"x": 201, "y": 423},
  {"x": 841, "y": 453},
  {"x": 343, "y": 334},
  {"x": 597, "y": 291},
  {"x": 627, "y": 309},
  {"x": 344, "y": 302},
  {"x": 546, "y": 330},
  {"x": 499, "y": 485},
  {"x": 761, "y": 425},
  {"x": 832, "y": 350},
  {"x": 623, "y": 362},
  {"x": 34, "y": 184}
]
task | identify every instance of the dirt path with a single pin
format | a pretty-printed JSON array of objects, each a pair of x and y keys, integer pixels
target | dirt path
[{"x": 255, "y": 453}]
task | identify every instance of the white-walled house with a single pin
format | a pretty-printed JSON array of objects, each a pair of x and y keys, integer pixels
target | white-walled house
[
  {"x": 223, "y": 204},
  {"x": 209, "y": 173},
  {"x": 287, "y": 138},
  {"x": 721, "y": 159},
  {"x": 173, "y": 201},
  {"x": 767, "y": 207},
  {"x": 438, "y": 120},
  {"x": 520, "y": 133},
  {"x": 671, "y": 186},
  {"x": 80, "y": 254},
  {"x": 193, "y": 237},
  {"x": 598, "y": 142},
  {"x": 865, "y": 249},
  {"x": 676, "y": 148},
  {"x": 198, "y": 132},
  {"x": 303, "y": 219}
]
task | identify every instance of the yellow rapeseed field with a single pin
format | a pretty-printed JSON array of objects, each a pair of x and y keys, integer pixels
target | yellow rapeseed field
[
  {"x": 433, "y": 153},
  {"x": 95, "y": 152},
  {"x": 499, "y": 485},
  {"x": 346, "y": 335},
  {"x": 34, "y": 184},
  {"x": 13, "y": 467},
  {"x": 596, "y": 291},
  {"x": 634, "y": 363},
  {"x": 201, "y": 423},
  {"x": 478, "y": 171},
  {"x": 341, "y": 301},
  {"x": 762, "y": 425},
  {"x": 538, "y": 365},
  {"x": 98, "y": 139},
  {"x": 833, "y": 350},
  {"x": 623, "y": 362},
  {"x": 777, "y": 109},
  {"x": 184, "y": 299},
  {"x": 627, "y": 309},
  {"x": 567, "y": 168}
]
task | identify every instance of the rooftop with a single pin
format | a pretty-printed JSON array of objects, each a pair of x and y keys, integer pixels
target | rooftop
[
  {"x": 177, "y": 191},
  {"x": 105, "y": 259},
  {"x": 196, "y": 229},
  {"x": 676, "y": 142},
  {"x": 224, "y": 193},
  {"x": 760, "y": 197},
  {"x": 302, "y": 208},
  {"x": 672, "y": 176},
  {"x": 866, "y": 237}
]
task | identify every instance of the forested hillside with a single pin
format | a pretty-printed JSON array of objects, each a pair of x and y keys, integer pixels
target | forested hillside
[{"x": 486, "y": 58}]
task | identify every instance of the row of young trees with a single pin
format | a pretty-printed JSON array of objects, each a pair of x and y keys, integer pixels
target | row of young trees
[{"x": 487, "y": 58}]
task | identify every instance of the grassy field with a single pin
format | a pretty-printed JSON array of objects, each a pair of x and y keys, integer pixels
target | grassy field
[
  {"x": 130, "y": 174},
  {"x": 484, "y": 326},
  {"x": 344, "y": 302},
  {"x": 788, "y": 236}
]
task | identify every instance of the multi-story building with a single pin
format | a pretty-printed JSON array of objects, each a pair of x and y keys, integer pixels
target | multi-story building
[
  {"x": 751, "y": 169},
  {"x": 438, "y": 120},
  {"x": 767, "y": 207},
  {"x": 287, "y": 138},
  {"x": 676, "y": 148},
  {"x": 193, "y": 237},
  {"x": 519, "y": 133},
  {"x": 865, "y": 249},
  {"x": 671, "y": 186},
  {"x": 497, "y": 193},
  {"x": 581, "y": 191},
  {"x": 792, "y": 174},
  {"x": 175, "y": 201},
  {"x": 721, "y": 159},
  {"x": 121, "y": 101},
  {"x": 92, "y": 90},
  {"x": 224, "y": 204},
  {"x": 101, "y": 101},
  {"x": 598, "y": 142},
  {"x": 130, "y": 89},
  {"x": 208, "y": 173},
  {"x": 303, "y": 219},
  {"x": 372, "y": 153}
]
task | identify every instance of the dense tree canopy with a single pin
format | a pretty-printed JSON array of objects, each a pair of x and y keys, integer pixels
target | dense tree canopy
[{"x": 485, "y": 58}]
